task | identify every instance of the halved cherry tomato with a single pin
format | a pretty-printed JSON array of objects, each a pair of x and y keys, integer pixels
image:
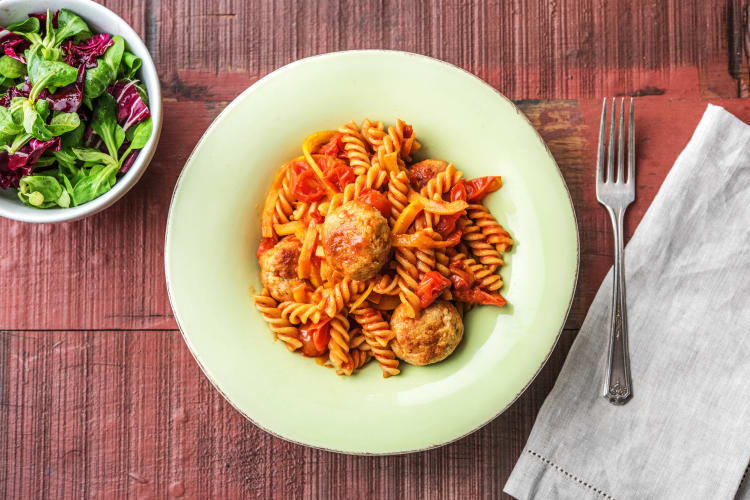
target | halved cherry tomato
[
  {"x": 265, "y": 245},
  {"x": 337, "y": 173},
  {"x": 408, "y": 131},
  {"x": 478, "y": 188},
  {"x": 307, "y": 187},
  {"x": 334, "y": 146},
  {"x": 447, "y": 224},
  {"x": 315, "y": 338},
  {"x": 477, "y": 296},
  {"x": 430, "y": 288},
  {"x": 377, "y": 200},
  {"x": 461, "y": 276}
]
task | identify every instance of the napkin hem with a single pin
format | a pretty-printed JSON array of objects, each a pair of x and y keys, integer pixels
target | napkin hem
[
  {"x": 546, "y": 482},
  {"x": 567, "y": 474}
]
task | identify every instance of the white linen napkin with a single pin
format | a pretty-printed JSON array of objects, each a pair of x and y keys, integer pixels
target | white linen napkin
[{"x": 685, "y": 434}]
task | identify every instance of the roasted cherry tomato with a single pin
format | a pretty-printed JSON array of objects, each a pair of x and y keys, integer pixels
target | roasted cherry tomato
[
  {"x": 334, "y": 146},
  {"x": 430, "y": 288},
  {"x": 337, "y": 173},
  {"x": 315, "y": 338},
  {"x": 265, "y": 245},
  {"x": 478, "y": 188},
  {"x": 447, "y": 223},
  {"x": 305, "y": 183},
  {"x": 477, "y": 296},
  {"x": 377, "y": 200}
]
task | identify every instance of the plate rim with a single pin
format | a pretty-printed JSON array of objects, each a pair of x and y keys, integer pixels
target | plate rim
[{"x": 216, "y": 122}]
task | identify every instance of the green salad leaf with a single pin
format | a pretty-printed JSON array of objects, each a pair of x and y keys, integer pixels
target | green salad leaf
[
  {"x": 28, "y": 25},
  {"x": 129, "y": 66},
  {"x": 46, "y": 73},
  {"x": 105, "y": 72},
  {"x": 70, "y": 24},
  {"x": 42, "y": 191},
  {"x": 104, "y": 123},
  {"x": 11, "y": 68}
]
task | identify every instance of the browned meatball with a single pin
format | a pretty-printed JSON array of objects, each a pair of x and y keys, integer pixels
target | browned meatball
[
  {"x": 278, "y": 269},
  {"x": 356, "y": 240},
  {"x": 421, "y": 173},
  {"x": 430, "y": 338}
]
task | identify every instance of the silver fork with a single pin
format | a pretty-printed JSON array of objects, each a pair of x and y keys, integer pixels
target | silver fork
[{"x": 616, "y": 192}]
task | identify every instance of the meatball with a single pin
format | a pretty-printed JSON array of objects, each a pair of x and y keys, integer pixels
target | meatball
[
  {"x": 421, "y": 173},
  {"x": 356, "y": 240},
  {"x": 278, "y": 269},
  {"x": 430, "y": 338}
]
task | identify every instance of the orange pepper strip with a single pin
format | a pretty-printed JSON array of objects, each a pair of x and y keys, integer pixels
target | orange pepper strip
[{"x": 266, "y": 221}]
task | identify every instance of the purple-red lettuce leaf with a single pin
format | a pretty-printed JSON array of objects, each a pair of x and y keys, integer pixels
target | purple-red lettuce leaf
[
  {"x": 86, "y": 52},
  {"x": 68, "y": 98},
  {"x": 130, "y": 107},
  {"x": 129, "y": 160},
  {"x": 13, "y": 45},
  {"x": 16, "y": 165},
  {"x": 14, "y": 92}
]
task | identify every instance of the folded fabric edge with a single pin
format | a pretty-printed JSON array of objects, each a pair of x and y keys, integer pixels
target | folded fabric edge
[{"x": 536, "y": 476}]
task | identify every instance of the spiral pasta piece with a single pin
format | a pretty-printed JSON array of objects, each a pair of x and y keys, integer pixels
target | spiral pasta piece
[
  {"x": 355, "y": 148},
  {"x": 304, "y": 211},
  {"x": 442, "y": 183},
  {"x": 284, "y": 208},
  {"x": 338, "y": 345},
  {"x": 386, "y": 284},
  {"x": 297, "y": 312},
  {"x": 280, "y": 326},
  {"x": 373, "y": 132},
  {"x": 340, "y": 295},
  {"x": 408, "y": 280},
  {"x": 398, "y": 194},
  {"x": 375, "y": 329},
  {"x": 488, "y": 278},
  {"x": 372, "y": 323},
  {"x": 495, "y": 233},
  {"x": 426, "y": 260},
  {"x": 480, "y": 247}
]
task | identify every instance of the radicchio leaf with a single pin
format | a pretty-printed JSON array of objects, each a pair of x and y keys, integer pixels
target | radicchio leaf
[
  {"x": 92, "y": 140},
  {"x": 130, "y": 107},
  {"x": 13, "y": 45},
  {"x": 87, "y": 51},
  {"x": 15, "y": 92},
  {"x": 14, "y": 166},
  {"x": 68, "y": 98},
  {"x": 129, "y": 161}
]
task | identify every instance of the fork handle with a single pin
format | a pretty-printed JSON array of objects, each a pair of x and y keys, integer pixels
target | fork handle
[{"x": 618, "y": 386}]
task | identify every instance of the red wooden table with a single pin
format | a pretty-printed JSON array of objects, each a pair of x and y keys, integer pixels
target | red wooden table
[{"x": 99, "y": 395}]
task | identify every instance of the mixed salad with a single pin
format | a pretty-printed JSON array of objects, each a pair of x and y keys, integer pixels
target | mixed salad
[{"x": 72, "y": 114}]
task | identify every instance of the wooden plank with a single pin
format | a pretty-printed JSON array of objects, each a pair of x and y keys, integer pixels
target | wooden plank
[
  {"x": 111, "y": 414},
  {"x": 528, "y": 48}
]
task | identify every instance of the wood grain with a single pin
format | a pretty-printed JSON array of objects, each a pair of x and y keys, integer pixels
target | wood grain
[
  {"x": 99, "y": 396},
  {"x": 112, "y": 414}
]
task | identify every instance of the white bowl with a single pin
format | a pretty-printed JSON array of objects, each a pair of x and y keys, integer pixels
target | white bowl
[{"x": 100, "y": 20}]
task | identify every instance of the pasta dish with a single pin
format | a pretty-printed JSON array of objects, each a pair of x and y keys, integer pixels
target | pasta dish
[{"x": 367, "y": 253}]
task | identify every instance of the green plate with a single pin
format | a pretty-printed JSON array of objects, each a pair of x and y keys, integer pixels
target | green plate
[{"x": 214, "y": 228}]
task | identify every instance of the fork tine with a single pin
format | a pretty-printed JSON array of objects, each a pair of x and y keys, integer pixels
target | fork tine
[
  {"x": 631, "y": 145},
  {"x": 621, "y": 144},
  {"x": 600, "y": 155},
  {"x": 611, "y": 146}
]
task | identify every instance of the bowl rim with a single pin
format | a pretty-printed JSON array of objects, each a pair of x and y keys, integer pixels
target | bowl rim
[
  {"x": 215, "y": 123},
  {"x": 103, "y": 15}
]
